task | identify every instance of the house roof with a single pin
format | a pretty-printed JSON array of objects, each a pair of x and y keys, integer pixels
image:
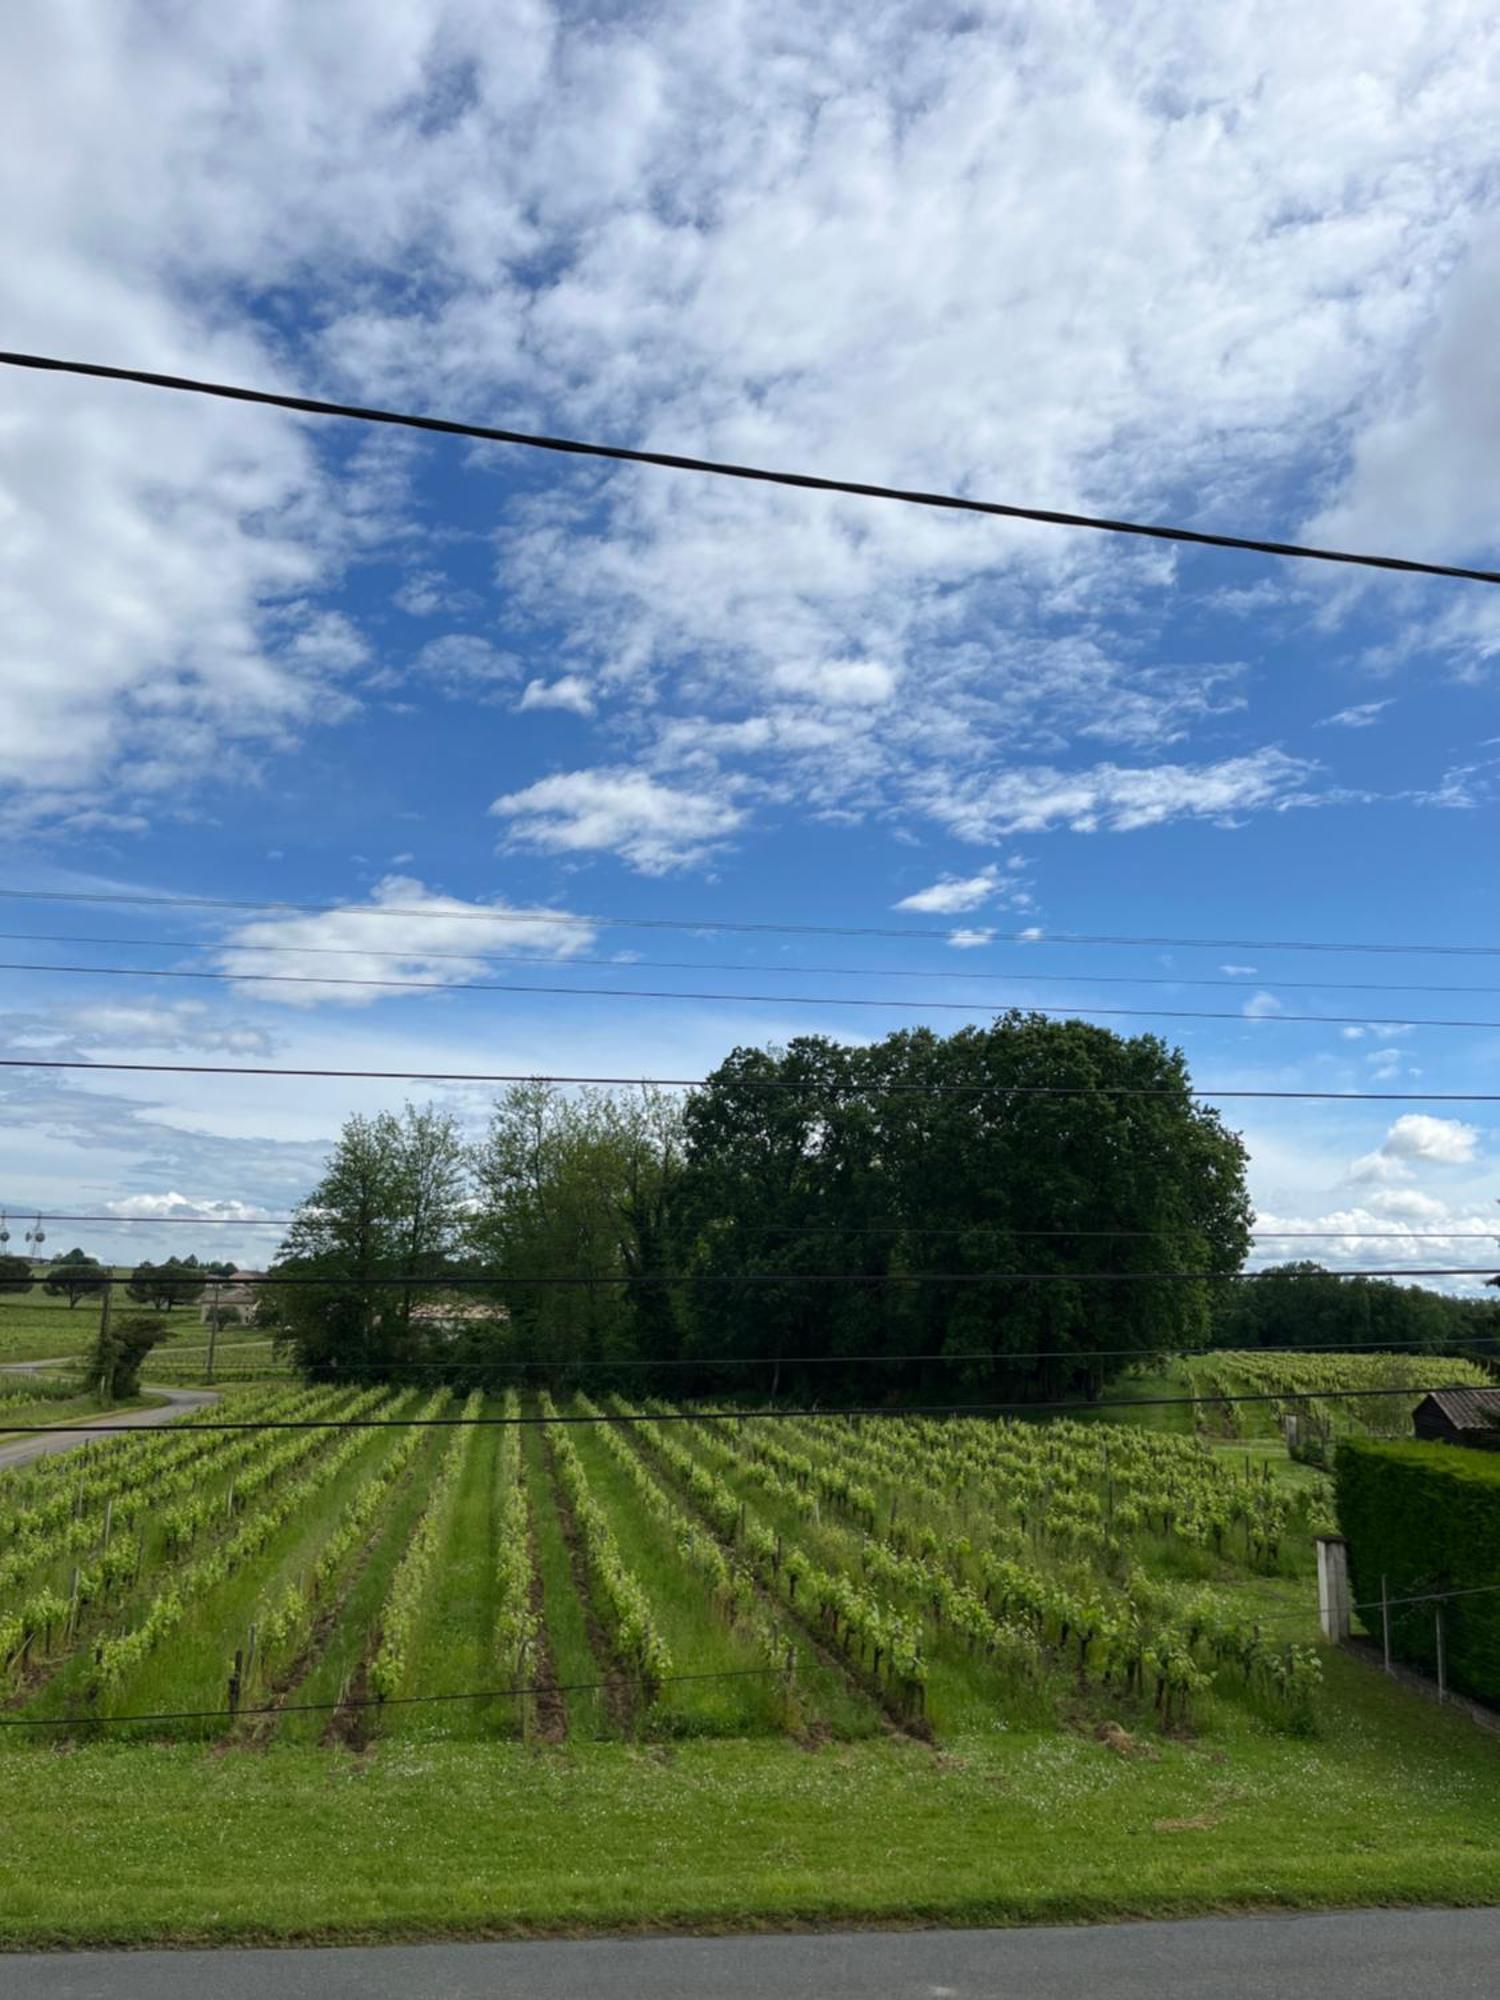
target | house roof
[{"x": 1468, "y": 1409}]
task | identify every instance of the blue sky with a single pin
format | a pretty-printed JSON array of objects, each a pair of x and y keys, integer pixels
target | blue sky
[{"x": 1239, "y": 270}]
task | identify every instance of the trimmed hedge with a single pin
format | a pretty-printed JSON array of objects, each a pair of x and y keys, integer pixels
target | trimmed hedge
[{"x": 1427, "y": 1518}]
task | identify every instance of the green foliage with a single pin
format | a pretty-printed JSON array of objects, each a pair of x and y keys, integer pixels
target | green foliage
[
  {"x": 401, "y": 1612},
  {"x": 922, "y": 1156},
  {"x": 74, "y": 1276},
  {"x": 1426, "y": 1517},
  {"x": 1302, "y": 1305},
  {"x": 178, "y": 1282},
  {"x": 371, "y": 1245},
  {"x": 15, "y": 1274},
  {"x": 580, "y": 1184},
  {"x": 1037, "y": 1154},
  {"x": 119, "y": 1353}
]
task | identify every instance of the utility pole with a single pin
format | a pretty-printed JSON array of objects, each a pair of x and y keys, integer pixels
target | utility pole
[
  {"x": 213, "y": 1332},
  {"x": 106, "y": 1298}
]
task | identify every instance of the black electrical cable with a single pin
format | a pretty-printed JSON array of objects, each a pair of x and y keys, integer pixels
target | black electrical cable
[
  {"x": 424, "y": 953},
  {"x": 512, "y": 986},
  {"x": 378, "y": 1701},
  {"x": 314, "y": 406},
  {"x": 461, "y": 1280},
  {"x": 728, "y": 1415},
  {"x": 846, "y": 1229},
  {"x": 707, "y": 1364},
  {"x": 561, "y": 919},
  {"x": 841, "y": 1089}
]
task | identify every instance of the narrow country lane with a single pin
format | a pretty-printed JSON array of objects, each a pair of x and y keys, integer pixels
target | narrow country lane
[
  {"x": 1355, "y": 1955},
  {"x": 176, "y": 1403}
]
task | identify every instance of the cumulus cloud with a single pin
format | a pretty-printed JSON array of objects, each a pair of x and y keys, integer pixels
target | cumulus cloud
[
  {"x": 404, "y": 930},
  {"x": 569, "y": 691},
  {"x": 652, "y": 826},
  {"x": 1417, "y": 1136},
  {"x": 969, "y": 940},
  {"x": 953, "y": 894},
  {"x": 816, "y": 244},
  {"x": 1387, "y": 1228}
]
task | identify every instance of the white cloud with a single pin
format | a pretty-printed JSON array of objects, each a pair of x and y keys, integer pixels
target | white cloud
[
  {"x": 1238, "y": 971},
  {"x": 1261, "y": 1007},
  {"x": 1388, "y": 1229},
  {"x": 1109, "y": 797},
  {"x": 1363, "y": 715},
  {"x": 568, "y": 691},
  {"x": 951, "y": 894},
  {"x": 742, "y": 231},
  {"x": 101, "y": 1028},
  {"x": 403, "y": 931},
  {"x": 968, "y": 940},
  {"x": 174, "y": 1204},
  {"x": 654, "y": 827},
  {"x": 838, "y": 682},
  {"x": 1426, "y": 464},
  {"x": 1417, "y": 1136}
]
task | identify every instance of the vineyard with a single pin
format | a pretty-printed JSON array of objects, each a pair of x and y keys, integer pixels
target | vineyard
[
  {"x": 655, "y": 1576},
  {"x": 1330, "y": 1395}
]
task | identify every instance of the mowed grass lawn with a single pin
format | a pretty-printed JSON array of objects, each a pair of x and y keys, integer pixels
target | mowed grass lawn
[{"x": 1392, "y": 1801}]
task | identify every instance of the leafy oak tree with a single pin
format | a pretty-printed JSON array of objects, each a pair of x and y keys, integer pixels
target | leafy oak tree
[{"x": 371, "y": 1244}]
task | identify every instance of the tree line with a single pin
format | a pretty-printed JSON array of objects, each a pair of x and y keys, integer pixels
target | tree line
[
  {"x": 970, "y": 1215},
  {"x": 1012, "y": 1211},
  {"x": 75, "y": 1276}
]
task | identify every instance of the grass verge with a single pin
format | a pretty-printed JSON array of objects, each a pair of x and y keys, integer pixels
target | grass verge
[{"x": 1393, "y": 1803}]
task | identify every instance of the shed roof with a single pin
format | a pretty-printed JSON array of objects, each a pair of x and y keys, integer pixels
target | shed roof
[{"x": 1468, "y": 1409}]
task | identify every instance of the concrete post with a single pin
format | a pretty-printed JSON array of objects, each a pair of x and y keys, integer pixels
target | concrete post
[{"x": 1333, "y": 1587}]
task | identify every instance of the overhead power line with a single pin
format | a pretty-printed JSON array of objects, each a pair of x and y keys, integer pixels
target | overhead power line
[
  {"x": 844, "y": 1228},
  {"x": 575, "y": 992},
  {"x": 564, "y": 919},
  {"x": 1445, "y": 1350},
  {"x": 880, "y": 1412},
  {"x": 843, "y": 1089},
  {"x": 350, "y": 1701},
  {"x": 945, "y": 973},
  {"x": 313, "y": 406},
  {"x": 440, "y": 1281}
]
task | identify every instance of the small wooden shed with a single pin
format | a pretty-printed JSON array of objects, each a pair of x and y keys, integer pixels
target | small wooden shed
[{"x": 1460, "y": 1416}]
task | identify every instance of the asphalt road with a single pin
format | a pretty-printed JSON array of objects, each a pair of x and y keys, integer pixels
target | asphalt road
[
  {"x": 1366, "y": 1955},
  {"x": 40, "y": 1446}
]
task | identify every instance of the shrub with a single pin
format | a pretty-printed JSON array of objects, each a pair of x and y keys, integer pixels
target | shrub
[{"x": 1426, "y": 1517}]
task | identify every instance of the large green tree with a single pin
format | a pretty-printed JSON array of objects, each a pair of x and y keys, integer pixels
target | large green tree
[
  {"x": 1009, "y": 1200},
  {"x": 578, "y": 1189},
  {"x": 75, "y": 1276},
  {"x": 378, "y": 1237}
]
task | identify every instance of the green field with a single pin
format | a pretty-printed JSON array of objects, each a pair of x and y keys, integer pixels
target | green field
[
  {"x": 36, "y": 1327},
  {"x": 785, "y": 1670}
]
